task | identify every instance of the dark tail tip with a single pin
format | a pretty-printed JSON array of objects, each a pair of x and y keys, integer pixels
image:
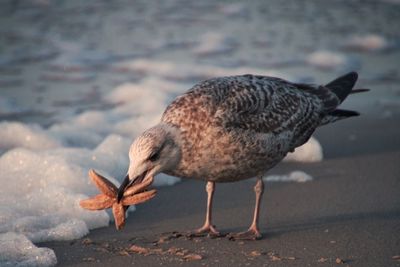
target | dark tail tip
[
  {"x": 338, "y": 114},
  {"x": 344, "y": 113},
  {"x": 342, "y": 86},
  {"x": 356, "y": 91}
]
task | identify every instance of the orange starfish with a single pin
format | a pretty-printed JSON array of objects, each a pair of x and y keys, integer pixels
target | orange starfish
[{"x": 135, "y": 194}]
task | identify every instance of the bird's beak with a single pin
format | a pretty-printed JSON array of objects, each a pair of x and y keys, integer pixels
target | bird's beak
[
  {"x": 125, "y": 183},
  {"x": 128, "y": 182}
]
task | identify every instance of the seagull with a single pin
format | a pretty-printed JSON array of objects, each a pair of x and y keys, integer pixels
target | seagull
[{"x": 227, "y": 129}]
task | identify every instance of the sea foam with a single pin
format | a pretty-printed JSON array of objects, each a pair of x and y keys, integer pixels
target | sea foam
[{"x": 43, "y": 172}]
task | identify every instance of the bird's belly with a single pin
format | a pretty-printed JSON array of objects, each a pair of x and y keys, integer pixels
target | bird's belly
[
  {"x": 241, "y": 167},
  {"x": 230, "y": 158},
  {"x": 228, "y": 169}
]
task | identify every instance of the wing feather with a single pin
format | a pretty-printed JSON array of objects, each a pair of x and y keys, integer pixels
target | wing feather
[
  {"x": 256, "y": 103},
  {"x": 266, "y": 104}
]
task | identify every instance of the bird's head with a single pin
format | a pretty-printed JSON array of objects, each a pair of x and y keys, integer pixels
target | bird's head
[{"x": 156, "y": 150}]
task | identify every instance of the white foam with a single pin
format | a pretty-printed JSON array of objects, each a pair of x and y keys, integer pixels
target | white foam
[
  {"x": 18, "y": 251},
  {"x": 42, "y": 183},
  {"x": 140, "y": 105},
  {"x": 369, "y": 42},
  {"x": 159, "y": 88},
  {"x": 86, "y": 129},
  {"x": 311, "y": 151},
  {"x": 44, "y": 171},
  {"x": 327, "y": 59},
  {"x": 212, "y": 43},
  {"x": 15, "y": 134},
  {"x": 158, "y": 68},
  {"x": 135, "y": 126},
  {"x": 234, "y": 9},
  {"x": 71, "y": 135},
  {"x": 137, "y": 106},
  {"x": 295, "y": 176},
  {"x": 40, "y": 196},
  {"x": 149, "y": 96},
  {"x": 50, "y": 228}
]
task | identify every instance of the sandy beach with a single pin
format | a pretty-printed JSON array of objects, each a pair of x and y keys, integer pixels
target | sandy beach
[{"x": 80, "y": 80}]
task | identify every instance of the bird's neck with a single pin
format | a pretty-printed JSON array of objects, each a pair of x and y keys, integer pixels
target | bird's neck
[
  {"x": 174, "y": 138},
  {"x": 172, "y": 132}
]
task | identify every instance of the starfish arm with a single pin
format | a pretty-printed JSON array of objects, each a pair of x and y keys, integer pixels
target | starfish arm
[
  {"x": 98, "y": 202},
  {"x": 139, "y": 198},
  {"x": 108, "y": 198},
  {"x": 119, "y": 215},
  {"x": 104, "y": 185},
  {"x": 138, "y": 187}
]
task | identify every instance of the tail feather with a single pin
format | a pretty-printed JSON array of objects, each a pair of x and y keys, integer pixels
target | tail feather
[
  {"x": 356, "y": 91},
  {"x": 338, "y": 114},
  {"x": 344, "y": 113},
  {"x": 343, "y": 85}
]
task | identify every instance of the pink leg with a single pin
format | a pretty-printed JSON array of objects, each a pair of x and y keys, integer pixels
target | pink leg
[
  {"x": 253, "y": 232},
  {"x": 208, "y": 228}
]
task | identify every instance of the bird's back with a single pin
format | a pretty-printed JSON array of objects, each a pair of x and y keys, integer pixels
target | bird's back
[{"x": 237, "y": 120}]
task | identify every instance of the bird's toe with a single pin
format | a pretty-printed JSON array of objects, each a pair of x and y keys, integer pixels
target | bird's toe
[
  {"x": 206, "y": 230},
  {"x": 251, "y": 234}
]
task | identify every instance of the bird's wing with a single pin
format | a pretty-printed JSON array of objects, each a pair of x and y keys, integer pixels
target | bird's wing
[{"x": 266, "y": 105}]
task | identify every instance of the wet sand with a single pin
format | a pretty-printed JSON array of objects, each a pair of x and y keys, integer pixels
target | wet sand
[{"x": 349, "y": 213}]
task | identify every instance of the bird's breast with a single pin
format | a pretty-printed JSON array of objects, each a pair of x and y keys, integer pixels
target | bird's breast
[{"x": 223, "y": 155}]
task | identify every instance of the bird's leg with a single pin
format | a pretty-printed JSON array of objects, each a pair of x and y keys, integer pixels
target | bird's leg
[
  {"x": 253, "y": 232},
  {"x": 208, "y": 228}
]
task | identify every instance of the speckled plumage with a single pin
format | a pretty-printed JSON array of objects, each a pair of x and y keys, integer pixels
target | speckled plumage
[{"x": 234, "y": 128}]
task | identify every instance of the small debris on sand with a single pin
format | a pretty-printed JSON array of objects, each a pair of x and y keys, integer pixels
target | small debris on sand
[
  {"x": 89, "y": 259},
  {"x": 255, "y": 253},
  {"x": 275, "y": 258},
  {"x": 87, "y": 241},
  {"x": 339, "y": 261},
  {"x": 123, "y": 253},
  {"x": 322, "y": 260},
  {"x": 167, "y": 237},
  {"x": 139, "y": 250},
  {"x": 192, "y": 257},
  {"x": 183, "y": 254}
]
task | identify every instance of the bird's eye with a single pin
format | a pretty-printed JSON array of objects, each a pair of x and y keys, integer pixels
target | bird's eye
[{"x": 154, "y": 156}]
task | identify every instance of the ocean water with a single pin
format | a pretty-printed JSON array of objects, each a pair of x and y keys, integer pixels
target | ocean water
[{"x": 79, "y": 80}]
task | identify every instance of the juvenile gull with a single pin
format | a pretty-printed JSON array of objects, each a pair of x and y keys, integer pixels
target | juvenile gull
[{"x": 233, "y": 128}]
